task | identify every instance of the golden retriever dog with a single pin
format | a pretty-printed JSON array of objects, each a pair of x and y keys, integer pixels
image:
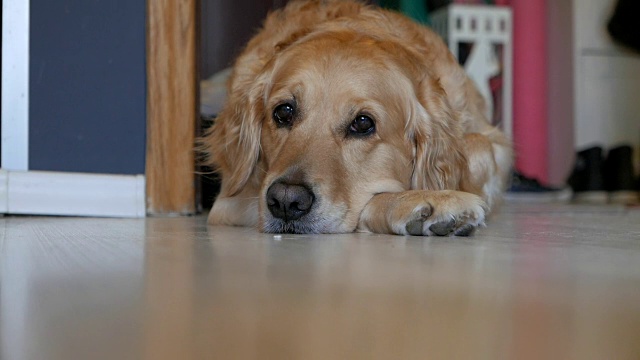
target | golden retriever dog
[{"x": 345, "y": 117}]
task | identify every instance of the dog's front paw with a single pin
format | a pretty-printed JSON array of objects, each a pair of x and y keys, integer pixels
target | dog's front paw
[{"x": 437, "y": 213}]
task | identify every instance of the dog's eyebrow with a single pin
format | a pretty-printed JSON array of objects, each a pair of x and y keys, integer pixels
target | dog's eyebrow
[
  {"x": 365, "y": 107},
  {"x": 285, "y": 92},
  {"x": 353, "y": 111},
  {"x": 285, "y": 97}
]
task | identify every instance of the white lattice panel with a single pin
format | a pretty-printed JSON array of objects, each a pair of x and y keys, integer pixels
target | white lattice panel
[{"x": 486, "y": 31}]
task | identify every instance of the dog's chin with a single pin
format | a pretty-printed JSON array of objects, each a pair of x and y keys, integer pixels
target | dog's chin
[{"x": 305, "y": 226}]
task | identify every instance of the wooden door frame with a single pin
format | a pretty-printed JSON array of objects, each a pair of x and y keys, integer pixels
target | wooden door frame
[{"x": 172, "y": 106}]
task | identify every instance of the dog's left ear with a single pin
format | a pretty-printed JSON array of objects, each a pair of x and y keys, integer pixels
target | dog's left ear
[{"x": 439, "y": 159}]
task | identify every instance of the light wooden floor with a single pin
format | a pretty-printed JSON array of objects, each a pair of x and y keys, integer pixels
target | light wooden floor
[{"x": 541, "y": 282}]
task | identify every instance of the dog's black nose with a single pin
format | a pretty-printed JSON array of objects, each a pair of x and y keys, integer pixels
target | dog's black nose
[{"x": 289, "y": 201}]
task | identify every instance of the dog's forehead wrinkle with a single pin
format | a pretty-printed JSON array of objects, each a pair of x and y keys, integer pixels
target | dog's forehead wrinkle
[
  {"x": 330, "y": 92},
  {"x": 337, "y": 62}
]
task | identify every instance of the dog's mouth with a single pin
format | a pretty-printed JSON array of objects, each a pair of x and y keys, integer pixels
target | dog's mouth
[
  {"x": 278, "y": 226},
  {"x": 292, "y": 205},
  {"x": 312, "y": 225},
  {"x": 318, "y": 220},
  {"x": 322, "y": 219}
]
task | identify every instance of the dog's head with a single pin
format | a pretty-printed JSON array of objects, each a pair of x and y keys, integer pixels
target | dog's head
[{"x": 331, "y": 120}]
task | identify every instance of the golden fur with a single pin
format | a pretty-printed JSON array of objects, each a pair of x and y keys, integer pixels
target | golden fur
[{"x": 432, "y": 166}]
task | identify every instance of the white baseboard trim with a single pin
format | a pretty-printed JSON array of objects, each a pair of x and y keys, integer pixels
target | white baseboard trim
[
  {"x": 72, "y": 194},
  {"x": 4, "y": 182}
]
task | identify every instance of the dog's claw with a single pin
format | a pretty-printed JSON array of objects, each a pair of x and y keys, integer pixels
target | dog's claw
[
  {"x": 425, "y": 212},
  {"x": 465, "y": 230},
  {"x": 443, "y": 228}
]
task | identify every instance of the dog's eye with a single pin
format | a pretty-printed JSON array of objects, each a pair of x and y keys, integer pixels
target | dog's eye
[
  {"x": 362, "y": 125},
  {"x": 283, "y": 115}
]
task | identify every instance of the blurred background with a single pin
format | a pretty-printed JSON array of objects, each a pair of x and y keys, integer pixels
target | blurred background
[{"x": 575, "y": 77}]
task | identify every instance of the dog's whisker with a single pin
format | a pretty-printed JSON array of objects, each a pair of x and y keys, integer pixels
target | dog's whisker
[{"x": 248, "y": 198}]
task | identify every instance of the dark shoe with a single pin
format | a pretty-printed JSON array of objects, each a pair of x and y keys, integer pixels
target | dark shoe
[
  {"x": 623, "y": 26},
  {"x": 586, "y": 179},
  {"x": 619, "y": 180},
  {"x": 523, "y": 188}
]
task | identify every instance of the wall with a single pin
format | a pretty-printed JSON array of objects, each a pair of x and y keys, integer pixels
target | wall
[
  {"x": 560, "y": 90},
  {"x": 225, "y": 27},
  {"x": 607, "y": 81},
  {"x": 87, "y": 100}
]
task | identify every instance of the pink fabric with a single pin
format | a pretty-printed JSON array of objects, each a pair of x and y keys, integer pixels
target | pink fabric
[
  {"x": 530, "y": 87},
  {"x": 494, "y": 2}
]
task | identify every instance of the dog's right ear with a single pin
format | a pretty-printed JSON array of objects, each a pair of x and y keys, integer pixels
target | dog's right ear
[{"x": 232, "y": 145}]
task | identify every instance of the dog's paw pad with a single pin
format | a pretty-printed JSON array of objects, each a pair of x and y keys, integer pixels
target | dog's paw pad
[
  {"x": 443, "y": 228},
  {"x": 438, "y": 213},
  {"x": 414, "y": 227}
]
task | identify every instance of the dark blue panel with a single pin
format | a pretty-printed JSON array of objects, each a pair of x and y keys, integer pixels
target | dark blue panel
[{"x": 87, "y": 86}]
